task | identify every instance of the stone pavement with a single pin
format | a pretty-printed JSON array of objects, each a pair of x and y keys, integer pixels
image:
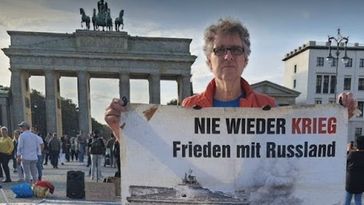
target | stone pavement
[{"x": 58, "y": 177}]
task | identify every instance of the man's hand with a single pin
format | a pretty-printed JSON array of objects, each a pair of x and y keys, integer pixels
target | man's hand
[
  {"x": 347, "y": 100},
  {"x": 112, "y": 115}
]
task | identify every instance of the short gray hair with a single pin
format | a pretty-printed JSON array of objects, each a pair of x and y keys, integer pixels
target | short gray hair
[{"x": 227, "y": 26}]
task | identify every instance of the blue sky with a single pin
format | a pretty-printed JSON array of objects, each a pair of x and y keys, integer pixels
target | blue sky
[{"x": 276, "y": 28}]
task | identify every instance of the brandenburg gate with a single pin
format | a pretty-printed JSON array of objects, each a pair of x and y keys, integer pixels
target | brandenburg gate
[{"x": 88, "y": 54}]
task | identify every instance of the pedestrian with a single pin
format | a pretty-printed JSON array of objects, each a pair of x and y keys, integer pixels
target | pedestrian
[
  {"x": 19, "y": 168},
  {"x": 13, "y": 154},
  {"x": 97, "y": 151},
  {"x": 117, "y": 157},
  {"x": 40, "y": 158},
  {"x": 82, "y": 145},
  {"x": 6, "y": 150},
  {"x": 89, "y": 141},
  {"x": 74, "y": 148},
  {"x": 355, "y": 173},
  {"x": 46, "y": 148},
  {"x": 27, "y": 153},
  {"x": 66, "y": 146},
  {"x": 54, "y": 147},
  {"x": 109, "y": 154}
]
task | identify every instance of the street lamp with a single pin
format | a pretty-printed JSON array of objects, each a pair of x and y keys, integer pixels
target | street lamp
[{"x": 341, "y": 42}]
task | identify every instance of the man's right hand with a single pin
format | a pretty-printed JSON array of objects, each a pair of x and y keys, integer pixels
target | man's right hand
[
  {"x": 347, "y": 100},
  {"x": 112, "y": 115}
]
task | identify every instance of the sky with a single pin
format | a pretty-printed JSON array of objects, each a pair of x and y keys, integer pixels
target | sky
[{"x": 276, "y": 28}]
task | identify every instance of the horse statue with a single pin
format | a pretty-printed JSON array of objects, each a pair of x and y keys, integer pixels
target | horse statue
[
  {"x": 119, "y": 21},
  {"x": 94, "y": 20},
  {"x": 108, "y": 20},
  {"x": 84, "y": 19}
]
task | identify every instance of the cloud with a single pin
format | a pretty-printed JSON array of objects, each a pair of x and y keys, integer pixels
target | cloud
[{"x": 22, "y": 13}]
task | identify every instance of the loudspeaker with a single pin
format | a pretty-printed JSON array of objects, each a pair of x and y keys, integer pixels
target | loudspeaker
[{"x": 76, "y": 184}]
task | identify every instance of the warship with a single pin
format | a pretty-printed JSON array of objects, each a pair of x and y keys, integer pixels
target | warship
[{"x": 186, "y": 193}]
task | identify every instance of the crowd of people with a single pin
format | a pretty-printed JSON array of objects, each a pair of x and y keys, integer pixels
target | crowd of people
[{"x": 29, "y": 152}]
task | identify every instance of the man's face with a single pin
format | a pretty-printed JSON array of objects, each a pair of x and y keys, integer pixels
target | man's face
[{"x": 227, "y": 67}]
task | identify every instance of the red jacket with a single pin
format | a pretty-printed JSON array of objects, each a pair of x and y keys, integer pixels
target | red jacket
[{"x": 251, "y": 99}]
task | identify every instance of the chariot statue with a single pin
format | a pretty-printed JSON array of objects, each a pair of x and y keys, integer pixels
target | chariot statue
[{"x": 103, "y": 16}]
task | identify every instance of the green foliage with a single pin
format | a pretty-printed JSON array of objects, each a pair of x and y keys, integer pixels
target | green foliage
[
  {"x": 173, "y": 102},
  {"x": 70, "y": 124},
  {"x": 69, "y": 116},
  {"x": 38, "y": 110}
]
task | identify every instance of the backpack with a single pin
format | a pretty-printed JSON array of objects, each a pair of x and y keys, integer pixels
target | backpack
[{"x": 97, "y": 147}]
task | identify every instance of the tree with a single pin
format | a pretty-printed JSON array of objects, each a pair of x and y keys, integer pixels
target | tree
[
  {"x": 70, "y": 124},
  {"x": 37, "y": 102},
  {"x": 70, "y": 112}
]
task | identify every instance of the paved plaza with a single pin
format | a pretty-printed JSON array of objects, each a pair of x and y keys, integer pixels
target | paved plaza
[{"x": 58, "y": 178}]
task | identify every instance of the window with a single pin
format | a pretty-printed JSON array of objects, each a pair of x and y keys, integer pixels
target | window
[
  {"x": 349, "y": 63},
  {"x": 318, "y": 101},
  {"x": 361, "y": 64},
  {"x": 361, "y": 84},
  {"x": 347, "y": 83},
  {"x": 358, "y": 131},
  {"x": 325, "y": 88},
  {"x": 333, "y": 62},
  {"x": 318, "y": 83},
  {"x": 320, "y": 61},
  {"x": 360, "y": 107},
  {"x": 332, "y": 101},
  {"x": 333, "y": 84},
  {"x": 294, "y": 83},
  {"x": 325, "y": 83},
  {"x": 295, "y": 69}
]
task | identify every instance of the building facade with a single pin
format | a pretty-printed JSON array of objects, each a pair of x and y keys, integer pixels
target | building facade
[
  {"x": 308, "y": 71},
  {"x": 92, "y": 54},
  {"x": 4, "y": 108}
]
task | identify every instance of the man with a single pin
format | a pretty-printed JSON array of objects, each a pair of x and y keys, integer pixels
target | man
[
  {"x": 227, "y": 50},
  {"x": 97, "y": 151},
  {"x": 54, "y": 146},
  {"x": 82, "y": 142},
  {"x": 27, "y": 152}
]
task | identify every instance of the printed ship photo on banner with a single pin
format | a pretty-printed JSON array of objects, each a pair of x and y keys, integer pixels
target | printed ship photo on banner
[{"x": 286, "y": 155}]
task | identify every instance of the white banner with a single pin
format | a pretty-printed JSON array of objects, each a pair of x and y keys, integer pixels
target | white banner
[{"x": 287, "y": 155}]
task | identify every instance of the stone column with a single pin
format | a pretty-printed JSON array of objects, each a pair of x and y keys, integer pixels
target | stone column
[
  {"x": 20, "y": 97},
  {"x": 83, "y": 86},
  {"x": 4, "y": 115},
  {"x": 154, "y": 89},
  {"x": 124, "y": 85},
  {"x": 184, "y": 87},
  {"x": 53, "y": 102}
]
